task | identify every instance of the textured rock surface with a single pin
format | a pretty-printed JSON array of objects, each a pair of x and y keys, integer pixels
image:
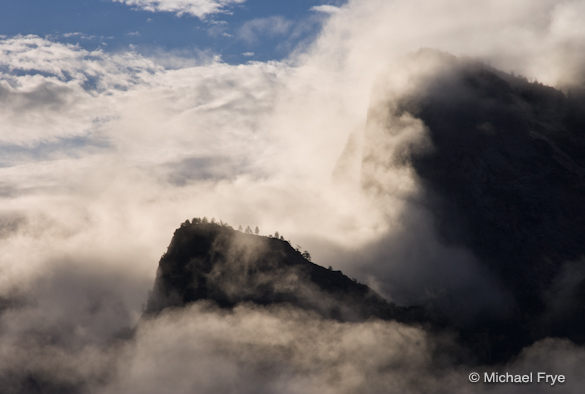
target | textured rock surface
[
  {"x": 207, "y": 261},
  {"x": 503, "y": 175}
]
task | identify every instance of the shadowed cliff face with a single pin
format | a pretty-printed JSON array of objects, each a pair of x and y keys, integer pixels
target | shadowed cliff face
[
  {"x": 502, "y": 175},
  {"x": 208, "y": 261}
]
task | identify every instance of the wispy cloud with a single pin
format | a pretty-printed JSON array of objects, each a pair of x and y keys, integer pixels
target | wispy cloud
[
  {"x": 272, "y": 26},
  {"x": 273, "y": 134},
  {"x": 326, "y": 9},
  {"x": 197, "y": 8},
  {"x": 51, "y": 90}
]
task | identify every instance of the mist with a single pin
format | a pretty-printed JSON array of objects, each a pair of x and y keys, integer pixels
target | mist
[{"x": 103, "y": 155}]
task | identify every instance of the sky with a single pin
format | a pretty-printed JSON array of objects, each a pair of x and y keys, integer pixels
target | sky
[
  {"x": 121, "y": 119},
  {"x": 237, "y": 31}
]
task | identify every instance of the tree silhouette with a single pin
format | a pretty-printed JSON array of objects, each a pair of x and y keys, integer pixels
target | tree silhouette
[
  {"x": 248, "y": 230},
  {"x": 256, "y": 230}
]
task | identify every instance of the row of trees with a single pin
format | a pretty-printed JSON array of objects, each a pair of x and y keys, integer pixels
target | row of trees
[
  {"x": 247, "y": 230},
  {"x": 204, "y": 220}
]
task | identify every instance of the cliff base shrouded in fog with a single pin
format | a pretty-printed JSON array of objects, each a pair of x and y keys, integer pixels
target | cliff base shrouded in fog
[{"x": 209, "y": 261}]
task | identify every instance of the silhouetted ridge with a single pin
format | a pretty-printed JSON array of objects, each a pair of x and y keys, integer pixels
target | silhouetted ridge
[{"x": 208, "y": 261}]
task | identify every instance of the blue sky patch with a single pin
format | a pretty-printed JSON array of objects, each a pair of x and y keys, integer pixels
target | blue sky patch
[{"x": 252, "y": 30}]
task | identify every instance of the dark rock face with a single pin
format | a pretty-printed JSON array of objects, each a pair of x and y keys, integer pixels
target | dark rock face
[
  {"x": 505, "y": 178},
  {"x": 207, "y": 261}
]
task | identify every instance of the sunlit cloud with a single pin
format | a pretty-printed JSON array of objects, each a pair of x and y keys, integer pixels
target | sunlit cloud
[
  {"x": 326, "y": 9},
  {"x": 197, "y": 8}
]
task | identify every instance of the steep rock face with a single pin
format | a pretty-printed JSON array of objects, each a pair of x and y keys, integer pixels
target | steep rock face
[
  {"x": 207, "y": 261},
  {"x": 504, "y": 177}
]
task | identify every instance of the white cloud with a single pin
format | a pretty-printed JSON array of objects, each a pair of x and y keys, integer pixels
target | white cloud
[
  {"x": 249, "y": 144},
  {"x": 51, "y": 90},
  {"x": 277, "y": 350},
  {"x": 197, "y": 8},
  {"x": 32, "y": 55},
  {"x": 280, "y": 350},
  {"x": 540, "y": 42},
  {"x": 326, "y": 9},
  {"x": 252, "y": 30}
]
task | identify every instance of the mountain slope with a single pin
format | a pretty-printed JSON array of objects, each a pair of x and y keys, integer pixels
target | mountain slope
[
  {"x": 208, "y": 261},
  {"x": 503, "y": 176}
]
